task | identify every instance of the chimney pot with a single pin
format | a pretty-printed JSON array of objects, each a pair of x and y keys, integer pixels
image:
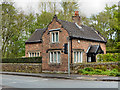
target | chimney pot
[{"x": 76, "y": 13}]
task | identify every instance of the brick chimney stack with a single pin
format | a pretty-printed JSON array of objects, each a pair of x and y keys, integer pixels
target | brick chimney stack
[{"x": 76, "y": 18}]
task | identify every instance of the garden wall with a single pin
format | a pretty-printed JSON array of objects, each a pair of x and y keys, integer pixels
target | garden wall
[
  {"x": 22, "y": 67},
  {"x": 97, "y": 65}
]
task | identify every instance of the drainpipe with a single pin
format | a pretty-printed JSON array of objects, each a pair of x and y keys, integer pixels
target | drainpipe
[{"x": 68, "y": 57}]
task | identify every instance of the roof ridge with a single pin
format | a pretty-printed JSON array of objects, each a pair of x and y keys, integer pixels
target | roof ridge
[
  {"x": 42, "y": 28},
  {"x": 65, "y": 21}
]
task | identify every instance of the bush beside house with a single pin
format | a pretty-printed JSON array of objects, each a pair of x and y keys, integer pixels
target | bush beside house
[{"x": 109, "y": 57}]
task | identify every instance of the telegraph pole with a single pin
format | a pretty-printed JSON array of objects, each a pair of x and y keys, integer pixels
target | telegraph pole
[{"x": 68, "y": 58}]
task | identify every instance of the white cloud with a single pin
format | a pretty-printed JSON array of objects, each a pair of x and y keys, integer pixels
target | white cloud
[{"x": 87, "y": 7}]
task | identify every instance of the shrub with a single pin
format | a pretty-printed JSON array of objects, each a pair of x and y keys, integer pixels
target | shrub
[
  {"x": 98, "y": 71},
  {"x": 103, "y": 68},
  {"x": 112, "y": 73},
  {"x": 89, "y": 69},
  {"x": 108, "y": 57},
  {"x": 118, "y": 74},
  {"x": 80, "y": 71},
  {"x": 86, "y": 72},
  {"x": 22, "y": 60}
]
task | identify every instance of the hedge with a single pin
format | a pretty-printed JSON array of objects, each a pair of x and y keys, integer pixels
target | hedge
[
  {"x": 108, "y": 57},
  {"x": 113, "y": 51},
  {"x": 22, "y": 60}
]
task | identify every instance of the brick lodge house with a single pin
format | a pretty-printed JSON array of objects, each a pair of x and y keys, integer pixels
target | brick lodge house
[{"x": 51, "y": 44}]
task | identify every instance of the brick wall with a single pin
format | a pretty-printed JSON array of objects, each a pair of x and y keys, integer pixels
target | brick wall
[
  {"x": 84, "y": 44},
  {"x": 33, "y": 48},
  {"x": 46, "y": 66}
]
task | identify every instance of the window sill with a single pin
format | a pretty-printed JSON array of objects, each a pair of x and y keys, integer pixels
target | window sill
[
  {"x": 54, "y": 42},
  {"x": 54, "y": 64}
]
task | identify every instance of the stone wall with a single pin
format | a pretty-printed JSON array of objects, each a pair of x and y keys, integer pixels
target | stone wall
[
  {"x": 107, "y": 65},
  {"x": 22, "y": 67}
]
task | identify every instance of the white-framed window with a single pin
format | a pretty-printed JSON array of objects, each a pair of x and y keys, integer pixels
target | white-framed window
[
  {"x": 34, "y": 54},
  {"x": 55, "y": 37},
  {"x": 54, "y": 57},
  {"x": 77, "y": 57}
]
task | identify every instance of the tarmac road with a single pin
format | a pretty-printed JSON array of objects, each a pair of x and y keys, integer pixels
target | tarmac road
[{"x": 37, "y": 82}]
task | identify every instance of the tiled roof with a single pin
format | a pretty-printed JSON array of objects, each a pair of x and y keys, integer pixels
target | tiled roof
[
  {"x": 94, "y": 49},
  {"x": 36, "y": 36},
  {"x": 83, "y": 32},
  {"x": 74, "y": 31}
]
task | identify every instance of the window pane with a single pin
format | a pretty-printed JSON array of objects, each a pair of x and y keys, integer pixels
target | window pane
[
  {"x": 38, "y": 54},
  {"x": 54, "y": 57},
  {"x": 32, "y": 54},
  {"x": 35, "y": 54},
  {"x": 50, "y": 59},
  {"x": 51, "y": 56},
  {"x": 29, "y": 54},
  {"x": 81, "y": 57},
  {"x": 74, "y": 57},
  {"x": 53, "y": 39},
  {"x": 78, "y": 57},
  {"x": 56, "y": 36},
  {"x": 58, "y": 57}
]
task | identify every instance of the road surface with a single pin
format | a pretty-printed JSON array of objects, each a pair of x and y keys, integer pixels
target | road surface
[{"x": 37, "y": 82}]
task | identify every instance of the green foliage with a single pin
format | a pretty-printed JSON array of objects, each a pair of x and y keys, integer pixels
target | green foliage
[
  {"x": 80, "y": 70},
  {"x": 98, "y": 71},
  {"x": 114, "y": 72},
  {"x": 103, "y": 68},
  {"x": 108, "y": 57},
  {"x": 91, "y": 71},
  {"x": 113, "y": 51},
  {"x": 22, "y": 60}
]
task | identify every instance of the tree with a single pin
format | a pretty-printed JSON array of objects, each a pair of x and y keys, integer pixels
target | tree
[
  {"x": 68, "y": 10},
  {"x": 106, "y": 23},
  {"x": 8, "y": 26},
  {"x": 43, "y": 19}
]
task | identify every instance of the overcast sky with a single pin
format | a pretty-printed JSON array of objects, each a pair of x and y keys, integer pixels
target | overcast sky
[{"x": 87, "y": 7}]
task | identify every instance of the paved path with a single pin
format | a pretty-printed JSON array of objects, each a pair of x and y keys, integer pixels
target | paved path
[{"x": 37, "y": 82}]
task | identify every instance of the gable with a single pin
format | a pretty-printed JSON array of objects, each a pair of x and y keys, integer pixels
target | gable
[{"x": 94, "y": 49}]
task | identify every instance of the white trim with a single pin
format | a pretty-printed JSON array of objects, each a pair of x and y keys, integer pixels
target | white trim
[
  {"x": 78, "y": 26},
  {"x": 54, "y": 29},
  {"x": 53, "y": 56},
  {"x": 77, "y": 56},
  {"x": 88, "y": 49},
  {"x": 54, "y": 36}
]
